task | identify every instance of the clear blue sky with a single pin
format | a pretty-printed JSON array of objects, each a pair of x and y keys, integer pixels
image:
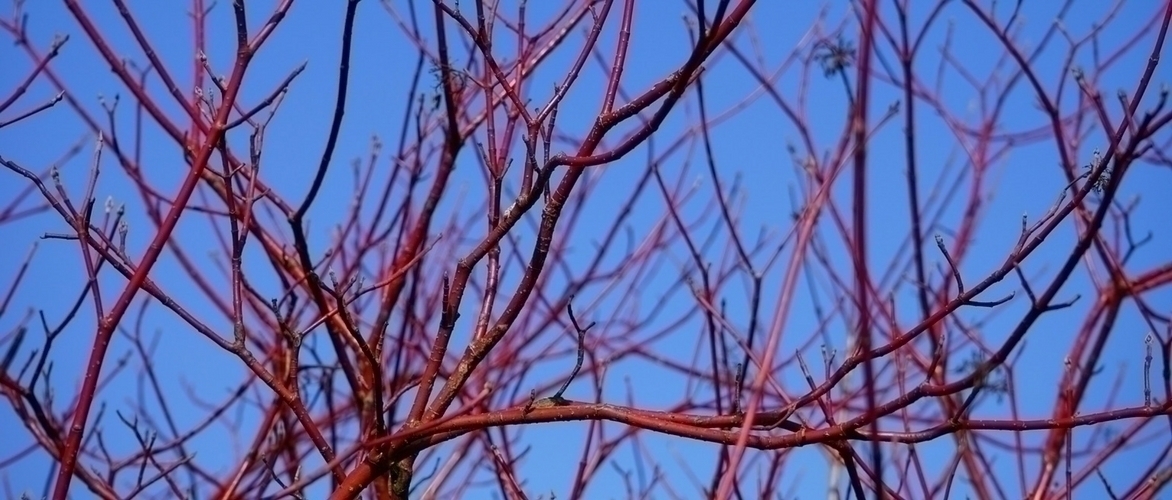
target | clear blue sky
[{"x": 750, "y": 147}]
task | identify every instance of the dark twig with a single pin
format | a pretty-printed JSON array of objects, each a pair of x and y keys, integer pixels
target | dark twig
[
  {"x": 557, "y": 399},
  {"x": 557, "y": 396}
]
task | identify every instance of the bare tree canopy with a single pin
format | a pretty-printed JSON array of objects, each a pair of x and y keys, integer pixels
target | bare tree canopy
[{"x": 585, "y": 249}]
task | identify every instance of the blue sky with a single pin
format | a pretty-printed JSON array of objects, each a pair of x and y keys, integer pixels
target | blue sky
[{"x": 751, "y": 148}]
